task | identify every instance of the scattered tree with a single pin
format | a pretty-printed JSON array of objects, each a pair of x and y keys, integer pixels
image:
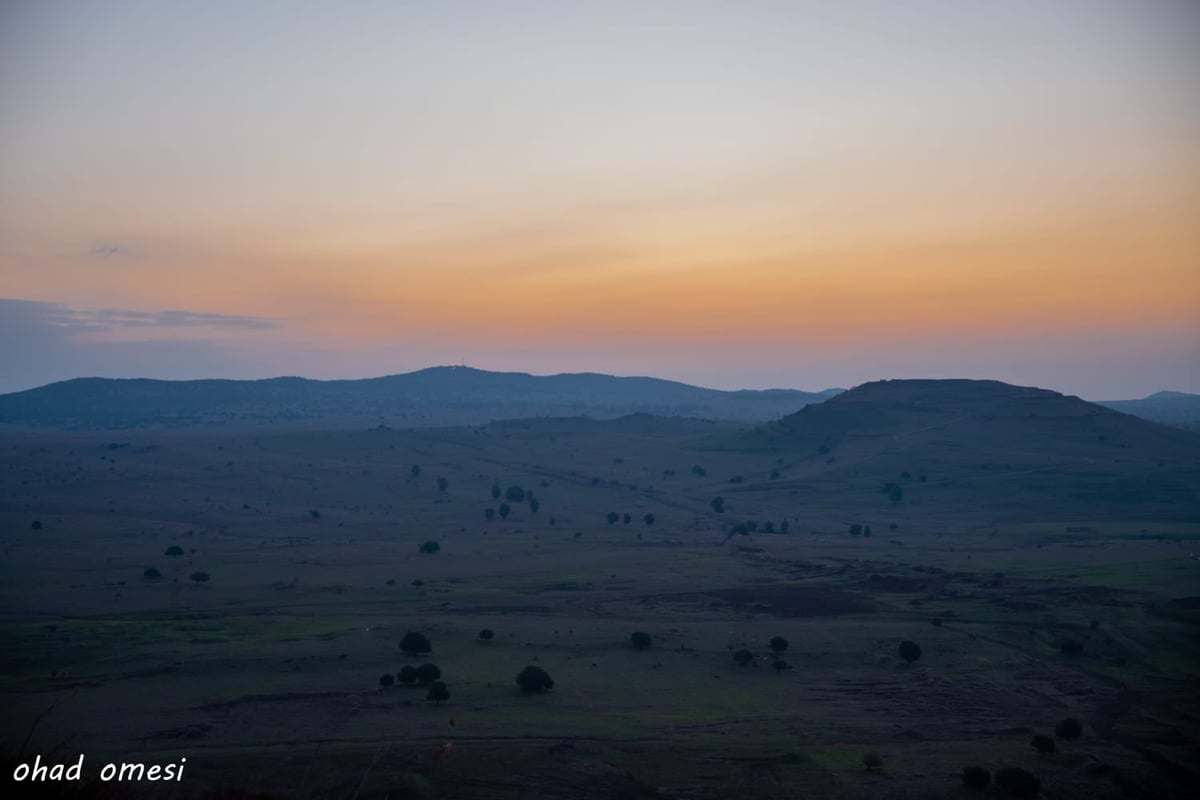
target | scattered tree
[
  {"x": 976, "y": 777},
  {"x": 442, "y": 484},
  {"x": 489, "y": 514},
  {"x": 1069, "y": 729},
  {"x": 613, "y": 517},
  {"x": 486, "y": 635},
  {"x": 173, "y": 550},
  {"x": 199, "y": 576},
  {"x": 743, "y": 657},
  {"x": 430, "y": 547},
  {"x": 505, "y": 508},
  {"x": 387, "y": 679},
  {"x": 437, "y": 693},
  {"x": 428, "y": 673},
  {"x": 910, "y": 651},
  {"x": 783, "y": 527},
  {"x": 1042, "y": 743},
  {"x": 698, "y": 470},
  {"x": 415, "y": 644},
  {"x": 514, "y": 494},
  {"x": 151, "y": 574},
  {"x": 628, "y": 518},
  {"x": 648, "y": 519},
  {"x": 778, "y": 644},
  {"x": 873, "y": 762},
  {"x": 641, "y": 640},
  {"x": 856, "y": 529},
  {"x": 718, "y": 504},
  {"x": 407, "y": 674},
  {"x": 534, "y": 505},
  {"x": 416, "y": 470},
  {"x": 534, "y": 679},
  {"x": 779, "y": 665},
  {"x": 37, "y": 525},
  {"x": 1018, "y": 782},
  {"x": 495, "y": 491},
  {"x": 315, "y": 514}
]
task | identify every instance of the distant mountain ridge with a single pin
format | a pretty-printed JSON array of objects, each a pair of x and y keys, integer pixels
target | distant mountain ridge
[
  {"x": 1179, "y": 409},
  {"x": 432, "y": 395}
]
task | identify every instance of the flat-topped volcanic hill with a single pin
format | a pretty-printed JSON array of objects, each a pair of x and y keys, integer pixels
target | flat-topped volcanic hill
[{"x": 985, "y": 442}]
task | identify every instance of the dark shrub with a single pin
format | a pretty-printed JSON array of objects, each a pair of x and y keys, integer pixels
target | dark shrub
[
  {"x": 641, "y": 640},
  {"x": 437, "y": 693},
  {"x": 387, "y": 679},
  {"x": 534, "y": 679},
  {"x": 910, "y": 651},
  {"x": 1068, "y": 729},
  {"x": 414, "y": 644},
  {"x": 743, "y": 657},
  {"x": 976, "y": 777},
  {"x": 778, "y": 644},
  {"x": 487, "y": 635},
  {"x": 428, "y": 673}
]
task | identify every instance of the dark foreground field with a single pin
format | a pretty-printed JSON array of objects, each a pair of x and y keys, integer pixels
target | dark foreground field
[{"x": 266, "y": 678}]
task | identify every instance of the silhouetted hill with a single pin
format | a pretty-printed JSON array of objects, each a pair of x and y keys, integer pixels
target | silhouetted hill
[
  {"x": 985, "y": 443},
  {"x": 1179, "y": 409},
  {"x": 437, "y": 394}
]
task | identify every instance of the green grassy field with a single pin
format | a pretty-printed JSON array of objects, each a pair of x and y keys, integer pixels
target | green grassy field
[{"x": 266, "y": 677}]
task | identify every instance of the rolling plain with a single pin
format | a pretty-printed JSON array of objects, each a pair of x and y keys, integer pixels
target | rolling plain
[{"x": 1041, "y": 551}]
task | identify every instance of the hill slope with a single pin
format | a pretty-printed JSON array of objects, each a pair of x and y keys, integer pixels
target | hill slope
[
  {"x": 437, "y": 394},
  {"x": 984, "y": 444}
]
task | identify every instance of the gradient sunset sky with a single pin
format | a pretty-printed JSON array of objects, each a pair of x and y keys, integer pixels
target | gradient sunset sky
[{"x": 733, "y": 194}]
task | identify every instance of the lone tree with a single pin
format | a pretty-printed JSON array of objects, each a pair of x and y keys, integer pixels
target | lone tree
[
  {"x": 151, "y": 574},
  {"x": 976, "y": 777},
  {"x": 910, "y": 651},
  {"x": 778, "y": 644},
  {"x": 416, "y": 470},
  {"x": 442, "y": 484},
  {"x": 718, "y": 505},
  {"x": 430, "y": 547},
  {"x": 534, "y": 679},
  {"x": 1018, "y": 782},
  {"x": 407, "y": 674},
  {"x": 504, "y": 509},
  {"x": 437, "y": 693},
  {"x": 640, "y": 640},
  {"x": 873, "y": 762},
  {"x": 173, "y": 550},
  {"x": 414, "y": 644},
  {"x": 200, "y": 576},
  {"x": 495, "y": 491},
  {"x": 514, "y": 494},
  {"x": 534, "y": 505},
  {"x": 1042, "y": 743},
  {"x": 626, "y": 519},
  {"x": 387, "y": 679},
  {"x": 743, "y": 657},
  {"x": 37, "y": 525},
  {"x": 648, "y": 519},
  {"x": 613, "y": 517},
  {"x": 486, "y": 635},
  {"x": 779, "y": 665},
  {"x": 1069, "y": 729},
  {"x": 428, "y": 673}
]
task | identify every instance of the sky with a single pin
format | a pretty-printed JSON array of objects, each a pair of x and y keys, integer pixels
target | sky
[{"x": 732, "y": 194}]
